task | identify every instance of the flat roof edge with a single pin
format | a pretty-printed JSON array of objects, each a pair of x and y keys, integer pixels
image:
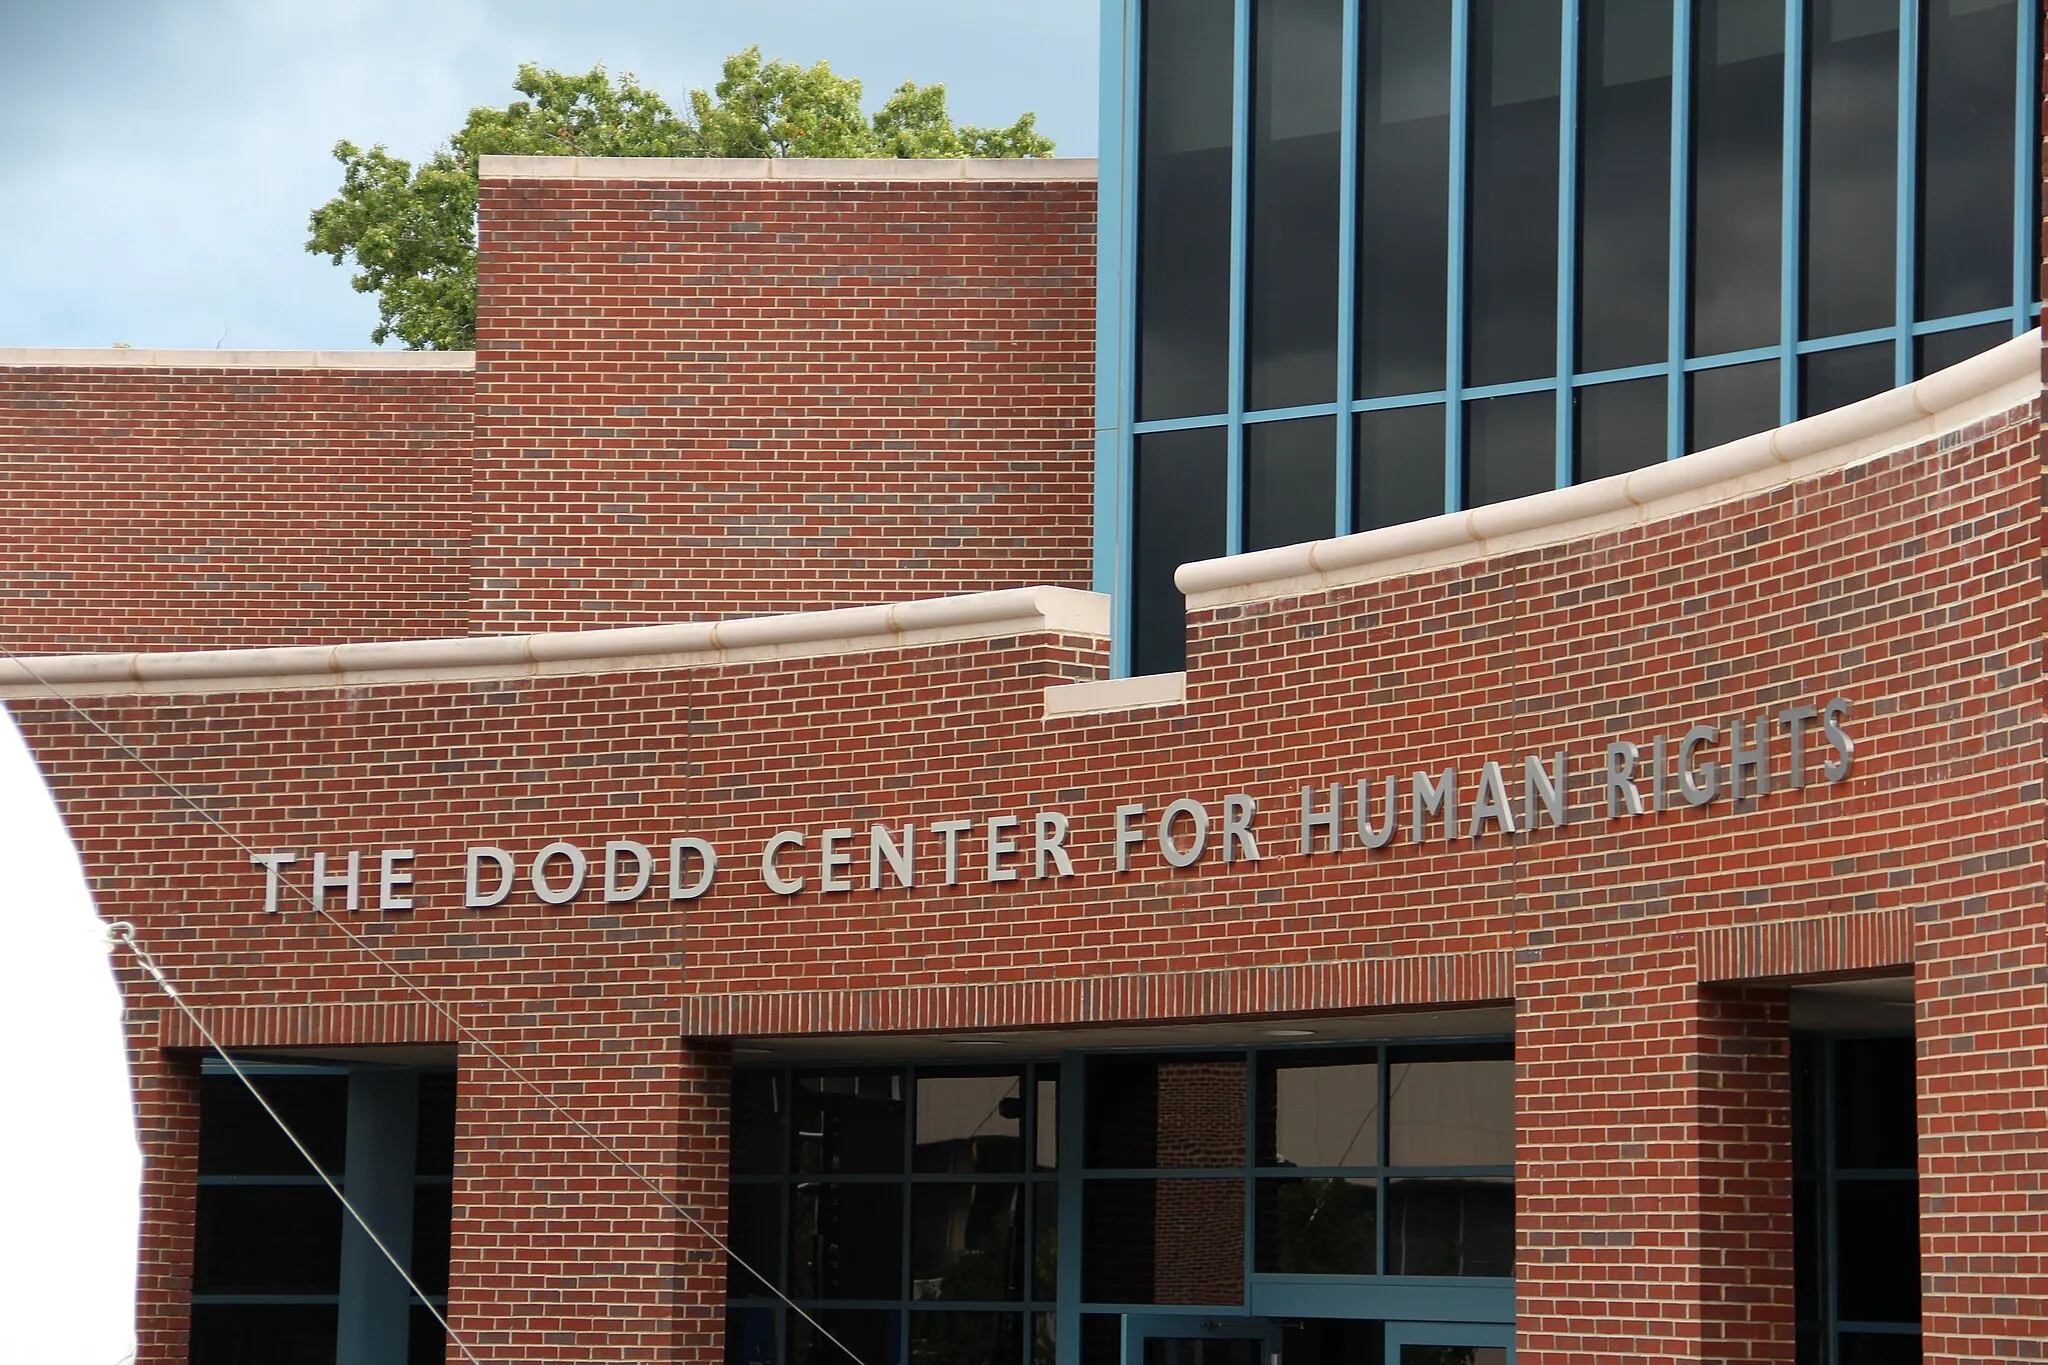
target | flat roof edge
[
  {"x": 139, "y": 358},
  {"x": 883, "y": 168}
]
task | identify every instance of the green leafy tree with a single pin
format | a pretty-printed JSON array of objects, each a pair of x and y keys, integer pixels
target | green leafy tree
[{"x": 410, "y": 231}]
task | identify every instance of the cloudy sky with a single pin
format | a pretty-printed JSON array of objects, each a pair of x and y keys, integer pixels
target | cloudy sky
[{"x": 161, "y": 156}]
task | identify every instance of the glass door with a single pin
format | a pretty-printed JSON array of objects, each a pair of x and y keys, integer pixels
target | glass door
[
  {"x": 1450, "y": 1343},
  {"x": 1191, "y": 1339}
]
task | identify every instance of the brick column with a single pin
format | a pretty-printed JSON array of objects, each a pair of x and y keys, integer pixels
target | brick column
[{"x": 167, "y": 1125}]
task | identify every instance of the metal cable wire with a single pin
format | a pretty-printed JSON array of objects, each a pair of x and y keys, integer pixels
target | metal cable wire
[{"x": 470, "y": 1035}]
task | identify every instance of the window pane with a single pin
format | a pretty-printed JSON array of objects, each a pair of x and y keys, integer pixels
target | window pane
[
  {"x": 1320, "y": 1110},
  {"x": 1318, "y": 1226},
  {"x": 756, "y": 1235},
  {"x": 1102, "y": 1339},
  {"x": 850, "y": 1123},
  {"x": 1047, "y": 1157},
  {"x": 943, "y": 1338},
  {"x": 1729, "y": 403},
  {"x": 1625, "y": 191},
  {"x": 237, "y": 1138},
  {"x": 870, "y": 1334},
  {"x": 1512, "y": 299},
  {"x": 1150, "y": 1113},
  {"x": 1874, "y": 1348},
  {"x": 1184, "y": 209},
  {"x": 1451, "y": 1227},
  {"x": 967, "y": 1241},
  {"x": 432, "y": 1211},
  {"x": 1965, "y": 239},
  {"x": 970, "y": 1124},
  {"x": 1939, "y": 350},
  {"x": 1162, "y": 1241},
  {"x": 1458, "y": 1111},
  {"x": 1875, "y": 1127},
  {"x": 757, "y": 1139},
  {"x": 1738, "y": 149},
  {"x": 1404, "y": 181},
  {"x": 846, "y": 1242},
  {"x": 1833, "y": 379},
  {"x": 266, "y": 1239},
  {"x": 426, "y": 1342},
  {"x": 1290, "y": 482},
  {"x": 1045, "y": 1240},
  {"x": 1807, "y": 1283},
  {"x": 1620, "y": 426},
  {"x": 1291, "y": 307},
  {"x": 1510, "y": 446},
  {"x": 1877, "y": 1251},
  {"x": 434, "y": 1152},
  {"x": 1180, "y": 518},
  {"x": 243, "y": 1334},
  {"x": 1851, "y": 165},
  {"x": 750, "y": 1337},
  {"x": 1397, "y": 470}
]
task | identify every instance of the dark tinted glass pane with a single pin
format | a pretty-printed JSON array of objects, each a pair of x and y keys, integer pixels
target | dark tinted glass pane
[
  {"x": 1320, "y": 1109},
  {"x": 1451, "y": 1227},
  {"x": 1332, "y": 1341},
  {"x": 1193, "y": 1349},
  {"x": 1939, "y": 350},
  {"x": 1872, "y": 1348},
  {"x": 850, "y": 1123},
  {"x": 943, "y": 1338},
  {"x": 1397, "y": 471},
  {"x": 1404, "y": 181},
  {"x": 846, "y": 1242},
  {"x": 426, "y": 1343},
  {"x": 1874, "y": 1104},
  {"x": 757, "y": 1113},
  {"x": 1625, "y": 184},
  {"x": 1045, "y": 1240},
  {"x": 1877, "y": 1251},
  {"x": 1833, "y": 379},
  {"x": 1729, "y": 403},
  {"x": 1806, "y": 1348},
  {"x": 1044, "y": 1338},
  {"x": 262, "y": 1334},
  {"x": 1291, "y": 307},
  {"x": 266, "y": 1239},
  {"x": 1454, "y": 1355},
  {"x": 1510, "y": 446},
  {"x": 868, "y": 1333},
  {"x": 1147, "y": 1113},
  {"x": 1511, "y": 301},
  {"x": 1290, "y": 482},
  {"x": 1180, "y": 518},
  {"x": 970, "y": 1124},
  {"x": 1102, "y": 1339},
  {"x": 434, "y": 1154},
  {"x": 432, "y": 1207},
  {"x": 1454, "y": 1107},
  {"x": 1806, "y": 1236},
  {"x": 756, "y": 1237},
  {"x": 1965, "y": 237},
  {"x": 1738, "y": 150},
  {"x": 1318, "y": 1226},
  {"x": 750, "y": 1337},
  {"x": 1162, "y": 1241},
  {"x": 237, "y": 1138},
  {"x": 1620, "y": 426},
  {"x": 1851, "y": 165},
  {"x": 967, "y": 1242},
  {"x": 1046, "y": 1156},
  {"x": 1184, "y": 210},
  {"x": 1806, "y": 1101}
]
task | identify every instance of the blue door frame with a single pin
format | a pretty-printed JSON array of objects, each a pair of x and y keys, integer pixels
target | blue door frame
[{"x": 1141, "y": 1327}]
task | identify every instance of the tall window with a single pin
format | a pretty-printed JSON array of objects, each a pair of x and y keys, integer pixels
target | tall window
[{"x": 1389, "y": 258}]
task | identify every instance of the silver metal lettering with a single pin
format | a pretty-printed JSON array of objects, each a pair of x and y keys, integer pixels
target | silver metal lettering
[
  {"x": 1660, "y": 774},
  {"x": 1749, "y": 762},
  {"x": 273, "y": 865},
  {"x": 834, "y": 862},
  {"x": 1698, "y": 782},
  {"x": 1427, "y": 798},
  {"x": 1238, "y": 813},
  {"x": 1795, "y": 719},
  {"x": 1545, "y": 787},
  {"x": 474, "y": 897},
  {"x": 771, "y": 874},
  {"x": 391, "y": 881},
  {"x": 1379, "y": 836},
  {"x": 1000, "y": 848},
  {"x": 1049, "y": 843},
  {"x": 1618, "y": 780},
  {"x": 1491, "y": 802},
  {"x": 579, "y": 869},
  {"x": 1189, "y": 809},
  {"x": 643, "y": 859},
  {"x": 1831, "y": 717},
  {"x": 707, "y": 860},
  {"x": 350, "y": 881},
  {"x": 1331, "y": 822},
  {"x": 1127, "y": 835},
  {"x": 882, "y": 848},
  {"x": 950, "y": 831}
]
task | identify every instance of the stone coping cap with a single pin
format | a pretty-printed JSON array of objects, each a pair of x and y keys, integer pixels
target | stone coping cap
[
  {"x": 883, "y": 168},
  {"x": 138, "y": 358}
]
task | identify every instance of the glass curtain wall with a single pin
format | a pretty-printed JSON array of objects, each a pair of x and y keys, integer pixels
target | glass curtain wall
[{"x": 1389, "y": 258}]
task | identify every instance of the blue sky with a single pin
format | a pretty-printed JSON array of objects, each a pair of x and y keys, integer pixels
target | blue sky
[{"x": 161, "y": 157}]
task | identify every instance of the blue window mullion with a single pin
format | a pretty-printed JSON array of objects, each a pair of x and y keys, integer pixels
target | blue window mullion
[
  {"x": 1678, "y": 298},
  {"x": 1123, "y": 24},
  {"x": 1347, "y": 260},
  {"x": 1907, "y": 188},
  {"x": 2026, "y": 146},
  {"x": 1240, "y": 243},
  {"x": 1567, "y": 236},
  {"x": 1791, "y": 208},
  {"x": 1454, "y": 331},
  {"x": 1067, "y": 1271}
]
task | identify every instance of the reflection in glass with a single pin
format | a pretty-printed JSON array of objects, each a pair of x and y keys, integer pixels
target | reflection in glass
[
  {"x": 1045, "y": 1239},
  {"x": 750, "y": 1337},
  {"x": 1620, "y": 426},
  {"x": 756, "y": 1234},
  {"x": 1179, "y": 518},
  {"x": 1738, "y": 148},
  {"x": 1163, "y": 1241},
  {"x": 1045, "y": 1338},
  {"x": 1047, "y": 1156},
  {"x": 1512, "y": 261},
  {"x": 1833, "y": 379},
  {"x": 1327, "y": 1225},
  {"x": 1877, "y": 1251},
  {"x": 970, "y": 1124},
  {"x": 1850, "y": 165},
  {"x": 1450, "y": 1112},
  {"x": 757, "y": 1141},
  {"x": 1625, "y": 182},
  {"x": 1965, "y": 208},
  {"x": 1404, "y": 178},
  {"x": 1184, "y": 209},
  {"x": 967, "y": 1241},
  {"x": 956, "y": 1338},
  {"x": 850, "y": 1123},
  {"x": 1730, "y": 402},
  {"x": 1290, "y": 481},
  {"x": 1165, "y": 1113},
  {"x": 1938, "y": 350},
  {"x": 1319, "y": 1110},
  {"x": 869, "y": 1333},
  {"x": 1510, "y": 447},
  {"x": 846, "y": 1242},
  {"x": 1397, "y": 466},
  {"x": 1291, "y": 303},
  {"x": 1451, "y": 1227}
]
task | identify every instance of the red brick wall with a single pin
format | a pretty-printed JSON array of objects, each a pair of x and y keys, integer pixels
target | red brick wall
[
  {"x": 716, "y": 398},
  {"x": 217, "y": 508},
  {"x": 1653, "y": 1180}
]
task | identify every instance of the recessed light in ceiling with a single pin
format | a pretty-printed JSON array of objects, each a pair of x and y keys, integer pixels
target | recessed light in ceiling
[{"x": 1290, "y": 1032}]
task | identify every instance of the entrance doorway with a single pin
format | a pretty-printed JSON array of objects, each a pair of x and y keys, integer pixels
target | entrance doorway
[
  {"x": 1444, "y": 1343},
  {"x": 1189, "y": 1339}
]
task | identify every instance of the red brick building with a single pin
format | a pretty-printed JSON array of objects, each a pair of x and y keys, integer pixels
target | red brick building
[{"x": 664, "y": 810}]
